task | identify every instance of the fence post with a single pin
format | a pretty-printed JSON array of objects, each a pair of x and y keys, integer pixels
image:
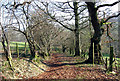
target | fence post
[
  {"x": 25, "y": 49},
  {"x": 111, "y": 58},
  {"x": 17, "y": 49},
  {"x": 106, "y": 63},
  {"x": 93, "y": 53}
]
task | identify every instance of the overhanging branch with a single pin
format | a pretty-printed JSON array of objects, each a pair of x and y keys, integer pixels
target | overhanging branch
[
  {"x": 62, "y": 24},
  {"x": 52, "y": 17},
  {"x": 83, "y": 27},
  {"x": 107, "y": 4},
  {"x": 109, "y": 32},
  {"x": 109, "y": 18}
]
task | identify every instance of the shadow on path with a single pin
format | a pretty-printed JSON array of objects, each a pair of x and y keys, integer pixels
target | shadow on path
[
  {"x": 62, "y": 64},
  {"x": 60, "y": 58}
]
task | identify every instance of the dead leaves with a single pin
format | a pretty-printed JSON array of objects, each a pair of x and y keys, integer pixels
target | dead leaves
[{"x": 72, "y": 72}]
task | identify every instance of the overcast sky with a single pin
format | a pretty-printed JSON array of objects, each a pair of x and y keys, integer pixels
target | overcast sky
[{"x": 114, "y": 8}]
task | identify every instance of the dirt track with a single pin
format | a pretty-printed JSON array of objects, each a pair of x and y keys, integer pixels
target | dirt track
[
  {"x": 59, "y": 69},
  {"x": 66, "y": 67}
]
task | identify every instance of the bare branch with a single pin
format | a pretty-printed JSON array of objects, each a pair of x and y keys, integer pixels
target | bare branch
[
  {"x": 60, "y": 6},
  {"x": 84, "y": 21},
  {"x": 107, "y": 4},
  {"x": 62, "y": 24},
  {"x": 16, "y": 29},
  {"x": 109, "y": 18},
  {"x": 70, "y": 5},
  {"x": 81, "y": 11},
  {"x": 109, "y": 34},
  {"x": 83, "y": 27},
  {"x": 3, "y": 33},
  {"x": 16, "y": 18},
  {"x": 15, "y": 6},
  {"x": 47, "y": 12}
]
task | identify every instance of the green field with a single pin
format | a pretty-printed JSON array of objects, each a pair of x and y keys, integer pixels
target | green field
[{"x": 21, "y": 46}]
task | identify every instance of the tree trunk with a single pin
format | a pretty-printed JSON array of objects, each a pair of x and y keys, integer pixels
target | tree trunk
[
  {"x": 9, "y": 55},
  {"x": 111, "y": 59},
  {"x": 32, "y": 50},
  {"x": 118, "y": 36},
  {"x": 7, "y": 52},
  {"x": 97, "y": 34},
  {"x": 77, "y": 51},
  {"x": 48, "y": 50},
  {"x": 70, "y": 50},
  {"x": 63, "y": 48},
  {"x": 6, "y": 48},
  {"x": 97, "y": 53},
  {"x": 31, "y": 46}
]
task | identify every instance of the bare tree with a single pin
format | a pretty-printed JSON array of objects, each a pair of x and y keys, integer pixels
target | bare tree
[
  {"x": 73, "y": 14},
  {"x": 28, "y": 22},
  {"x": 18, "y": 14},
  {"x": 45, "y": 33},
  {"x": 98, "y": 30}
]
